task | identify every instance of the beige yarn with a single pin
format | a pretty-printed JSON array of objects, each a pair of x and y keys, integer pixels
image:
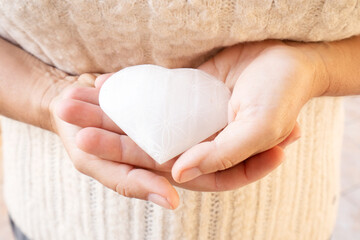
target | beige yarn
[{"x": 49, "y": 199}]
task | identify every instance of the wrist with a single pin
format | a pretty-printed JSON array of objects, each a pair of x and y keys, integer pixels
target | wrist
[
  {"x": 57, "y": 82},
  {"x": 341, "y": 61},
  {"x": 316, "y": 68},
  {"x": 27, "y": 86},
  {"x": 321, "y": 78},
  {"x": 336, "y": 66},
  {"x": 59, "y": 91}
]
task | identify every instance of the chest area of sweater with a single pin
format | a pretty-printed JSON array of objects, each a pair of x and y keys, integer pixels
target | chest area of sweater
[
  {"x": 163, "y": 16},
  {"x": 86, "y": 35},
  {"x": 181, "y": 19}
]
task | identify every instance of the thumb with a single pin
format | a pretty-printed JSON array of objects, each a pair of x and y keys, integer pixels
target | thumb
[{"x": 237, "y": 142}]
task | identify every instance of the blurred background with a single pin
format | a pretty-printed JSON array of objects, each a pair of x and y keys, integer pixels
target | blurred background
[{"x": 348, "y": 221}]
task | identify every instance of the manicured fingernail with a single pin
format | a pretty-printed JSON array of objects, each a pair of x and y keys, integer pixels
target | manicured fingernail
[
  {"x": 159, "y": 200},
  {"x": 189, "y": 174}
]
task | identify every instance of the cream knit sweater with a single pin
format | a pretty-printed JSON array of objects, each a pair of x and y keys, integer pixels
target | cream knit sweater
[{"x": 50, "y": 200}]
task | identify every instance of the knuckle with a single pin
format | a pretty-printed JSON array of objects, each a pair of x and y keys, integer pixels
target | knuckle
[
  {"x": 224, "y": 162},
  {"x": 118, "y": 150},
  {"x": 125, "y": 187}
]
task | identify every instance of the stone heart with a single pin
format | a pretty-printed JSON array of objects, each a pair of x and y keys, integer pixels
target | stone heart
[{"x": 165, "y": 111}]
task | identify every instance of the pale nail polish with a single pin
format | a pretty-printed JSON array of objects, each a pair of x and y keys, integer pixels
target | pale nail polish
[
  {"x": 159, "y": 200},
  {"x": 190, "y": 174}
]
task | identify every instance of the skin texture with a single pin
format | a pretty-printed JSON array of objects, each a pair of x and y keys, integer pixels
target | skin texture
[
  {"x": 100, "y": 149},
  {"x": 270, "y": 82}
]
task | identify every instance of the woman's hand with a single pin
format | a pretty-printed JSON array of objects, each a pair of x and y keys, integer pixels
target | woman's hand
[
  {"x": 99, "y": 149},
  {"x": 270, "y": 83},
  {"x": 27, "y": 83}
]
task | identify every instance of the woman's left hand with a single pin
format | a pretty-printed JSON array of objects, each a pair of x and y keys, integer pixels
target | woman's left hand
[{"x": 270, "y": 83}]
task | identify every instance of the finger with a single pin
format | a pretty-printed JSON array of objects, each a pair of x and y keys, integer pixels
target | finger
[
  {"x": 122, "y": 178},
  {"x": 84, "y": 115},
  {"x": 237, "y": 142},
  {"x": 87, "y": 79},
  {"x": 85, "y": 94},
  {"x": 101, "y": 79},
  {"x": 250, "y": 170},
  {"x": 131, "y": 182},
  {"x": 120, "y": 148},
  {"x": 294, "y": 135},
  {"x": 246, "y": 172}
]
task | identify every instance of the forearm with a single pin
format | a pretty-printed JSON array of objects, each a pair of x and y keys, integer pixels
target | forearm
[
  {"x": 340, "y": 68},
  {"x": 27, "y": 86}
]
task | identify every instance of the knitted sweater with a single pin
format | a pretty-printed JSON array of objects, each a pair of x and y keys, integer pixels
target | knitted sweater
[{"x": 50, "y": 200}]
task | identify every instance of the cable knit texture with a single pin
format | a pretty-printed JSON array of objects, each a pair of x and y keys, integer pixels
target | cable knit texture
[{"x": 49, "y": 199}]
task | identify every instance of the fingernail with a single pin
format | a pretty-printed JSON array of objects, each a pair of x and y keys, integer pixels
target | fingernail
[
  {"x": 159, "y": 200},
  {"x": 189, "y": 174}
]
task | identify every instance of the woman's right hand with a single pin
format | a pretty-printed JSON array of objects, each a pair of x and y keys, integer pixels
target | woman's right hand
[{"x": 80, "y": 123}]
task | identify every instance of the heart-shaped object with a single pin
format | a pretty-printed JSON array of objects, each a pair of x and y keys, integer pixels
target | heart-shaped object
[{"x": 165, "y": 111}]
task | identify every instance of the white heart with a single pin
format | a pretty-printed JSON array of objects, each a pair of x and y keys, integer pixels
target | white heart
[{"x": 165, "y": 111}]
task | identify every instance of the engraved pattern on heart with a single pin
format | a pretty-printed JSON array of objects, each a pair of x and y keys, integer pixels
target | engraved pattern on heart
[{"x": 165, "y": 111}]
